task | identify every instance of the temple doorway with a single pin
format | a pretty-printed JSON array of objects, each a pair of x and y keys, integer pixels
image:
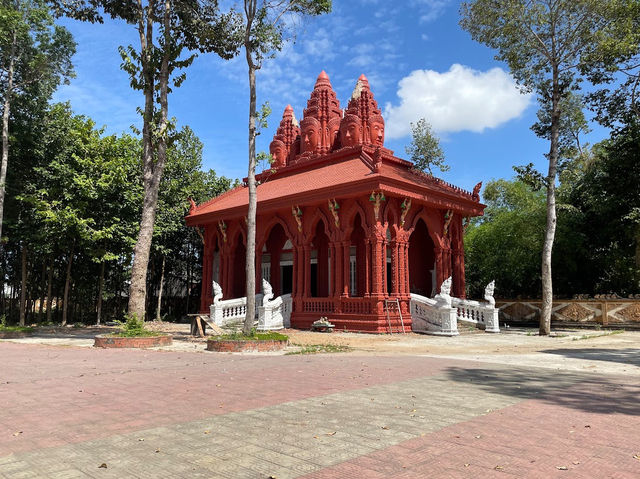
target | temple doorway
[
  {"x": 320, "y": 262},
  {"x": 421, "y": 261}
]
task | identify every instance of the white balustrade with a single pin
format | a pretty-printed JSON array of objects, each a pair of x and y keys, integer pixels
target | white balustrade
[
  {"x": 432, "y": 316},
  {"x": 484, "y": 315}
]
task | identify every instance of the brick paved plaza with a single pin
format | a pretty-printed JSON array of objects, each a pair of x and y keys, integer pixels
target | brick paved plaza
[{"x": 71, "y": 412}]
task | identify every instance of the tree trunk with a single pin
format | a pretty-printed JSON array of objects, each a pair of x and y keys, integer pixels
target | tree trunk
[
  {"x": 49, "y": 290},
  {"x": 550, "y": 232},
  {"x": 250, "y": 11},
  {"x": 23, "y": 286},
  {"x": 189, "y": 279},
  {"x": 152, "y": 171},
  {"x": 100, "y": 288},
  {"x": 67, "y": 287},
  {"x": 158, "y": 315},
  {"x": 43, "y": 279},
  {"x": 5, "y": 128}
]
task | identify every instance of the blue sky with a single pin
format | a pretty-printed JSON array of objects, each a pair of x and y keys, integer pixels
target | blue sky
[{"x": 418, "y": 61}]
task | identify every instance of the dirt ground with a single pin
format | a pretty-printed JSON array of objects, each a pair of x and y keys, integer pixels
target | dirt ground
[{"x": 584, "y": 350}]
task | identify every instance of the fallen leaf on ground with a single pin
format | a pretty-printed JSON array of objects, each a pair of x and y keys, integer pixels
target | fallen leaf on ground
[
  {"x": 331, "y": 433},
  {"x": 467, "y": 465},
  {"x": 207, "y": 432},
  {"x": 635, "y": 456},
  {"x": 498, "y": 468},
  {"x": 17, "y": 433},
  {"x": 562, "y": 468},
  {"x": 102, "y": 466},
  {"x": 141, "y": 439},
  {"x": 385, "y": 427},
  {"x": 477, "y": 437},
  {"x": 575, "y": 463}
]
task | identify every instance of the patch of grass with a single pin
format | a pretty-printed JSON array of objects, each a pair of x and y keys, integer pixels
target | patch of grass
[
  {"x": 591, "y": 336},
  {"x": 254, "y": 336},
  {"x": 5, "y": 328},
  {"x": 320, "y": 348},
  {"x": 15, "y": 329},
  {"x": 134, "y": 328}
]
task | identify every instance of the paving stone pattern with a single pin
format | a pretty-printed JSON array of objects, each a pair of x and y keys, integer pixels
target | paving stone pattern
[{"x": 64, "y": 412}]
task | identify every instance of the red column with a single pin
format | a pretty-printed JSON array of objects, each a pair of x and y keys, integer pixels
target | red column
[
  {"x": 207, "y": 271},
  {"x": 307, "y": 270},
  {"x": 439, "y": 269},
  {"x": 334, "y": 291},
  {"x": 395, "y": 272},
  {"x": 367, "y": 268},
  {"x": 407, "y": 286},
  {"x": 346, "y": 260},
  {"x": 258, "y": 270}
]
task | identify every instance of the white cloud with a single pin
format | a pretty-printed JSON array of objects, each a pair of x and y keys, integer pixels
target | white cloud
[
  {"x": 430, "y": 10},
  {"x": 456, "y": 100}
]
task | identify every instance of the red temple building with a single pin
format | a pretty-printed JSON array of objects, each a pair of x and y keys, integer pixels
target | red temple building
[{"x": 342, "y": 223}]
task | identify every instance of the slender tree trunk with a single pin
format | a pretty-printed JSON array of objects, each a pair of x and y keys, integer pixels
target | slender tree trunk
[
  {"x": 100, "y": 288},
  {"x": 250, "y": 11},
  {"x": 23, "y": 286},
  {"x": 158, "y": 315},
  {"x": 5, "y": 128},
  {"x": 49, "y": 290},
  {"x": 43, "y": 280},
  {"x": 67, "y": 287},
  {"x": 550, "y": 232},
  {"x": 152, "y": 173},
  {"x": 189, "y": 279}
]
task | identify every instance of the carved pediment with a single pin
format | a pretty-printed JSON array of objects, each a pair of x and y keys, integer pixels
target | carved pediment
[
  {"x": 575, "y": 312},
  {"x": 631, "y": 313}
]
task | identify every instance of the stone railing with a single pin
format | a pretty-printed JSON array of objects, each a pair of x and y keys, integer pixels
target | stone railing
[
  {"x": 484, "y": 315},
  {"x": 320, "y": 305},
  {"x": 610, "y": 312},
  {"x": 227, "y": 311},
  {"x": 355, "y": 305},
  {"x": 432, "y": 316}
]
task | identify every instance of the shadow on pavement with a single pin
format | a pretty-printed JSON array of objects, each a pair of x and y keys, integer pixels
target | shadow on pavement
[
  {"x": 590, "y": 394},
  {"x": 622, "y": 356}
]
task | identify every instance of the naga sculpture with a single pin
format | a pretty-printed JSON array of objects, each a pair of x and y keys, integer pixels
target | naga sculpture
[
  {"x": 267, "y": 291},
  {"x": 444, "y": 297},
  {"x": 217, "y": 292},
  {"x": 488, "y": 293}
]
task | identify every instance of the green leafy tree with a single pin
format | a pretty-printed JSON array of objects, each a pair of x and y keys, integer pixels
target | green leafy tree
[
  {"x": 175, "y": 245},
  {"x": 265, "y": 32},
  {"x": 505, "y": 244},
  {"x": 615, "y": 67},
  {"x": 424, "y": 150},
  {"x": 35, "y": 56},
  {"x": 86, "y": 195},
  {"x": 155, "y": 67},
  {"x": 607, "y": 194},
  {"x": 545, "y": 43}
]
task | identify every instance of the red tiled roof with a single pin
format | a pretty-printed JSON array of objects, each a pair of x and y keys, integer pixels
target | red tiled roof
[{"x": 340, "y": 177}]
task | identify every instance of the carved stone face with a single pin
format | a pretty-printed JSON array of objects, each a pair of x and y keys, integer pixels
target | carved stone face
[
  {"x": 310, "y": 137},
  {"x": 377, "y": 133},
  {"x": 350, "y": 133},
  {"x": 278, "y": 153}
]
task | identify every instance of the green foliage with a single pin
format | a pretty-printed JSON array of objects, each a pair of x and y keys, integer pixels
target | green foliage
[
  {"x": 424, "y": 150},
  {"x": 506, "y": 243},
  {"x": 606, "y": 193},
  {"x": 319, "y": 348},
  {"x": 252, "y": 336},
  {"x": 133, "y": 327}
]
